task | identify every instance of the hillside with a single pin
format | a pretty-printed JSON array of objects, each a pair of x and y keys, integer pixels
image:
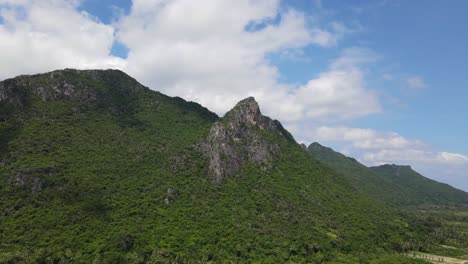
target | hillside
[
  {"x": 394, "y": 185},
  {"x": 96, "y": 168},
  {"x": 424, "y": 191}
]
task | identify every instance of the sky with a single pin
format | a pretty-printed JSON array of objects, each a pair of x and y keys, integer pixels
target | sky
[{"x": 382, "y": 81}]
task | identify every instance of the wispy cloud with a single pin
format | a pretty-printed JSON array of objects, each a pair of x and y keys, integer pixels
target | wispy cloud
[
  {"x": 388, "y": 77},
  {"x": 415, "y": 82}
]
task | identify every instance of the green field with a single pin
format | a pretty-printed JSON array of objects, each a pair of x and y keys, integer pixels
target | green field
[{"x": 449, "y": 240}]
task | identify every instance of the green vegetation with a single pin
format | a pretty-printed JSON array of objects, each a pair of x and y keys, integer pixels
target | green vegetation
[
  {"x": 420, "y": 190},
  {"x": 451, "y": 232},
  {"x": 96, "y": 168},
  {"x": 394, "y": 185},
  {"x": 439, "y": 211}
]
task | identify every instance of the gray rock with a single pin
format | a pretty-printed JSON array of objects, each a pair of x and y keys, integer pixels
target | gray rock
[
  {"x": 170, "y": 196},
  {"x": 32, "y": 183},
  {"x": 236, "y": 140},
  {"x": 63, "y": 84},
  {"x": 171, "y": 191}
]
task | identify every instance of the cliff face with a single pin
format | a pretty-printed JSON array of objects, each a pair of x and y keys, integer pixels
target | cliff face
[{"x": 237, "y": 139}]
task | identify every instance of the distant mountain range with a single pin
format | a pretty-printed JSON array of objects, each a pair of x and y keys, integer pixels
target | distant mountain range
[
  {"x": 393, "y": 184},
  {"x": 96, "y": 168}
]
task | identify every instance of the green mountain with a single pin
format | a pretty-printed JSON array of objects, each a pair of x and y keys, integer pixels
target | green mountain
[
  {"x": 394, "y": 185},
  {"x": 96, "y": 168},
  {"x": 425, "y": 192}
]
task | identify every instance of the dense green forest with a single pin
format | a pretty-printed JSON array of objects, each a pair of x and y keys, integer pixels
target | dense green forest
[{"x": 96, "y": 168}]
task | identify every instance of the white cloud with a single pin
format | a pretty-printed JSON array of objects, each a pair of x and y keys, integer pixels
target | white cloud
[
  {"x": 38, "y": 36},
  {"x": 199, "y": 50},
  {"x": 351, "y": 58},
  {"x": 415, "y": 156},
  {"x": 337, "y": 94},
  {"x": 207, "y": 56},
  {"x": 379, "y": 147},
  {"x": 367, "y": 139},
  {"x": 416, "y": 82}
]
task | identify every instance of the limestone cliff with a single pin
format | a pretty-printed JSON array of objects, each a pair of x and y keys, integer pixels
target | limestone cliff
[{"x": 237, "y": 139}]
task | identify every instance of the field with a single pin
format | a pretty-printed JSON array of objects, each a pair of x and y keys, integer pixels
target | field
[
  {"x": 436, "y": 259},
  {"x": 452, "y": 237}
]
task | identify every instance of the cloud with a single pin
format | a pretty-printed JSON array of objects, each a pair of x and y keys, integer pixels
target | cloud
[
  {"x": 415, "y": 82},
  {"x": 38, "y": 36},
  {"x": 340, "y": 93},
  {"x": 353, "y": 57},
  {"x": 388, "y": 77},
  {"x": 207, "y": 56},
  {"x": 337, "y": 94},
  {"x": 415, "y": 156},
  {"x": 379, "y": 147},
  {"x": 367, "y": 139},
  {"x": 210, "y": 56}
]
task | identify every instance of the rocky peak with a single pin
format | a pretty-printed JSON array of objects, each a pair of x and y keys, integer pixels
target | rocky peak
[
  {"x": 245, "y": 112},
  {"x": 235, "y": 140}
]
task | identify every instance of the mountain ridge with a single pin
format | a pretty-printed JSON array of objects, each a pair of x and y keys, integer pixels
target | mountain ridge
[
  {"x": 397, "y": 185},
  {"x": 119, "y": 178}
]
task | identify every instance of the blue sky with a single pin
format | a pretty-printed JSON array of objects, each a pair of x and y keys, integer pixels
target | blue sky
[{"x": 383, "y": 81}]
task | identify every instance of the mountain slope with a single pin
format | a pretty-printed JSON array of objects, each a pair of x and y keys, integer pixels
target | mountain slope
[
  {"x": 95, "y": 167},
  {"x": 424, "y": 191},
  {"x": 392, "y": 184}
]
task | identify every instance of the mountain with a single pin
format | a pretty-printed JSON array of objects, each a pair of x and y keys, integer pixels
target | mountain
[
  {"x": 96, "y": 168},
  {"x": 392, "y": 184},
  {"x": 424, "y": 191}
]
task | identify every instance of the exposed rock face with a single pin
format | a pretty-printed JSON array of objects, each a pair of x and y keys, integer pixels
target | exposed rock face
[
  {"x": 236, "y": 140},
  {"x": 62, "y": 84},
  {"x": 28, "y": 182}
]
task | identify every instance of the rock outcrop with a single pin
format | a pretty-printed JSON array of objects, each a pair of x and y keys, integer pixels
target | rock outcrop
[
  {"x": 63, "y": 84},
  {"x": 237, "y": 139}
]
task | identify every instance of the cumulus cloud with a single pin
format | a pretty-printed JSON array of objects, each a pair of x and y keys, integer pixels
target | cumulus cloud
[
  {"x": 210, "y": 51},
  {"x": 208, "y": 56},
  {"x": 338, "y": 94},
  {"x": 37, "y": 36},
  {"x": 341, "y": 92}
]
